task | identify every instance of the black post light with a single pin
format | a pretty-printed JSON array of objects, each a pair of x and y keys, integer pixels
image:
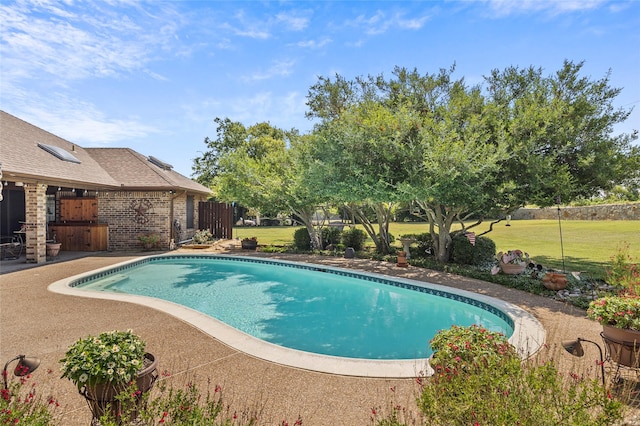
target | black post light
[
  {"x": 574, "y": 347},
  {"x": 558, "y": 201},
  {"x": 25, "y": 366}
]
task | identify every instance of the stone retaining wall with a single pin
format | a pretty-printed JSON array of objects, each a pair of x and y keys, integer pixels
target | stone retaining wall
[{"x": 599, "y": 212}]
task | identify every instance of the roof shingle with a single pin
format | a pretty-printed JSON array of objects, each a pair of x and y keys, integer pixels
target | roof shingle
[{"x": 108, "y": 168}]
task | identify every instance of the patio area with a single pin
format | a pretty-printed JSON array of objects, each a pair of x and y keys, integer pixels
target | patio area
[{"x": 36, "y": 322}]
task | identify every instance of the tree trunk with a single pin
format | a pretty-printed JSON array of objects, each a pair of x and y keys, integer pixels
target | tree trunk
[
  {"x": 383, "y": 213},
  {"x": 442, "y": 219},
  {"x": 306, "y": 217}
]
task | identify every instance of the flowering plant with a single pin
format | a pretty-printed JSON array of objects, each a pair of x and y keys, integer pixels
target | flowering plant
[
  {"x": 114, "y": 356},
  {"x": 514, "y": 257},
  {"x": 250, "y": 239},
  {"x": 616, "y": 311},
  {"x": 469, "y": 348}
]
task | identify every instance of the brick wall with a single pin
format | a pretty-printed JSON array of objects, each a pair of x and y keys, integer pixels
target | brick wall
[
  {"x": 600, "y": 212},
  {"x": 131, "y": 213},
  {"x": 36, "y": 220}
]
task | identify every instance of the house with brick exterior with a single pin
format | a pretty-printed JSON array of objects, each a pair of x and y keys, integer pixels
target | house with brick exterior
[{"x": 88, "y": 199}]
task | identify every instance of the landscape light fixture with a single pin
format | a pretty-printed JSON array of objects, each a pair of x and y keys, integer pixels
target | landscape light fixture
[
  {"x": 574, "y": 347},
  {"x": 26, "y": 365},
  {"x": 558, "y": 201}
]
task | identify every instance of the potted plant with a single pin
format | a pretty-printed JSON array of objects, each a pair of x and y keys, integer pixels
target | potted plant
[
  {"x": 149, "y": 241},
  {"x": 53, "y": 248},
  {"x": 103, "y": 366},
  {"x": 619, "y": 314},
  {"x": 512, "y": 262},
  {"x": 249, "y": 243}
]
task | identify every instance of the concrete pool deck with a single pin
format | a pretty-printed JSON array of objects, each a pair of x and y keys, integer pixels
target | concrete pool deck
[{"x": 37, "y": 322}]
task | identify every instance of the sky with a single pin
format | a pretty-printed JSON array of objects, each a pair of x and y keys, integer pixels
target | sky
[{"x": 153, "y": 75}]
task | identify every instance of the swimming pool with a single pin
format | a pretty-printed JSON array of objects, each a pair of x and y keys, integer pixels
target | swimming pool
[{"x": 262, "y": 306}]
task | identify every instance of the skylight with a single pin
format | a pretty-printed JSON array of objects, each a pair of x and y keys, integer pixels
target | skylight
[
  {"x": 160, "y": 163},
  {"x": 61, "y": 153}
]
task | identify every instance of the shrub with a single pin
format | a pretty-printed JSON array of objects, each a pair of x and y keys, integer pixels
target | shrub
[
  {"x": 19, "y": 404},
  {"x": 301, "y": 239},
  {"x": 424, "y": 244},
  {"x": 623, "y": 272},
  {"x": 515, "y": 393},
  {"x": 354, "y": 237},
  {"x": 467, "y": 349},
  {"x": 149, "y": 240},
  {"x": 465, "y": 253},
  {"x": 202, "y": 236},
  {"x": 480, "y": 380},
  {"x": 182, "y": 405},
  {"x": 331, "y": 235}
]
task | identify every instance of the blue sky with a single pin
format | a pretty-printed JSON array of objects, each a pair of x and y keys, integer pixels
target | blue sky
[{"x": 152, "y": 76}]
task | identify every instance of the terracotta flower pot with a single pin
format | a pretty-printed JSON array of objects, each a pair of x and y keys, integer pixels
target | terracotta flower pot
[
  {"x": 53, "y": 249},
  {"x": 554, "y": 281},
  {"x": 512, "y": 268},
  {"x": 402, "y": 259},
  {"x": 622, "y": 345}
]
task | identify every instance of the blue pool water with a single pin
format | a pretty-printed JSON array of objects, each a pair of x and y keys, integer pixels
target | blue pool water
[{"x": 308, "y": 308}]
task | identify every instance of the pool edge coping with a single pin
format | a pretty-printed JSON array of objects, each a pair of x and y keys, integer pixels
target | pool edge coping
[{"x": 528, "y": 335}]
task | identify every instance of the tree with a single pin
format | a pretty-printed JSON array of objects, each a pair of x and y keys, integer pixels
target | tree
[
  {"x": 359, "y": 162},
  {"x": 232, "y": 136},
  {"x": 457, "y": 174},
  {"x": 560, "y": 129},
  {"x": 413, "y": 137},
  {"x": 464, "y": 152},
  {"x": 264, "y": 171}
]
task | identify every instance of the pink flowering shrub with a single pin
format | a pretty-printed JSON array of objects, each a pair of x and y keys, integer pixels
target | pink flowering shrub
[
  {"x": 21, "y": 404},
  {"x": 616, "y": 311},
  {"x": 469, "y": 348}
]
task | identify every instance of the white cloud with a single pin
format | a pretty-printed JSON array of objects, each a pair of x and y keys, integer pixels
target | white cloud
[
  {"x": 314, "y": 44},
  {"x": 504, "y": 8},
  {"x": 278, "y": 69},
  {"x": 247, "y": 27},
  {"x": 296, "y": 23},
  {"x": 380, "y": 22},
  {"x": 62, "y": 42},
  {"x": 73, "y": 119}
]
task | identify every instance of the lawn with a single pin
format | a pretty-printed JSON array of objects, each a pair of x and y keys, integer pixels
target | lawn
[{"x": 588, "y": 245}]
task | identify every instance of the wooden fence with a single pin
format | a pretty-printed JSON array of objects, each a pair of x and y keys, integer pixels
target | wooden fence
[{"x": 217, "y": 218}]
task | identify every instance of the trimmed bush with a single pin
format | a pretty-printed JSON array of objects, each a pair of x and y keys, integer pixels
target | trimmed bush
[
  {"x": 331, "y": 235},
  {"x": 424, "y": 243},
  {"x": 354, "y": 237},
  {"x": 465, "y": 253},
  {"x": 301, "y": 239}
]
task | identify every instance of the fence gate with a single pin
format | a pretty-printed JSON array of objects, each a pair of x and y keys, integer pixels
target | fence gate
[{"x": 217, "y": 218}]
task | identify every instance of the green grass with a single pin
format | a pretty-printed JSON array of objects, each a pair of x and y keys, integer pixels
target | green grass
[{"x": 588, "y": 245}]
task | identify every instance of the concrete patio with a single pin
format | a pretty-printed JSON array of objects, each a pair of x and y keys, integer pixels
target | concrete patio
[{"x": 36, "y": 322}]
